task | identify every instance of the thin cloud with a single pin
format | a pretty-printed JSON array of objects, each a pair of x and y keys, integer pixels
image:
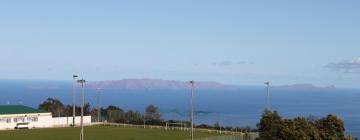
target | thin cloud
[
  {"x": 347, "y": 66},
  {"x": 244, "y": 62},
  {"x": 223, "y": 63},
  {"x": 231, "y": 63}
]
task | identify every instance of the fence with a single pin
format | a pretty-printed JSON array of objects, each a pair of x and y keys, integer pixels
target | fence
[
  {"x": 66, "y": 121},
  {"x": 229, "y": 135},
  {"x": 249, "y": 136}
]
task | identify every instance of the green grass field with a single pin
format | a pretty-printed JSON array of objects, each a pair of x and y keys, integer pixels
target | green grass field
[{"x": 99, "y": 133}]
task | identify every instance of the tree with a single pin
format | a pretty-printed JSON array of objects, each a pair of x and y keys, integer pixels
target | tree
[
  {"x": 133, "y": 117},
  {"x": 331, "y": 128},
  {"x": 114, "y": 114},
  {"x": 217, "y": 125},
  {"x": 152, "y": 113},
  {"x": 270, "y": 126},
  {"x": 273, "y": 127},
  {"x": 298, "y": 128},
  {"x": 56, "y": 107}
]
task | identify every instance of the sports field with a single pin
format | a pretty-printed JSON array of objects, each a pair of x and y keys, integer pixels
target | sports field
[{"x": 99, "y": 133}]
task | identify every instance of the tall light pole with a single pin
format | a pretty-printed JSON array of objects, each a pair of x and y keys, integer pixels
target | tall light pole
[
  {"x": 145, "y": 118},
  {"x": 82, "y": 82},
  {"x": 267, "y": 95},
  {"x": 192, "y": 110},
  {"x": 74, "y": 99},
  {"x": 98, "y": 90}
]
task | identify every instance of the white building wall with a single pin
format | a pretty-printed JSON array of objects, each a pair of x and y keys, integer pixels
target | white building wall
[
  {"x": 66, "y": 121},
  {"x": 44, "y": 120}
]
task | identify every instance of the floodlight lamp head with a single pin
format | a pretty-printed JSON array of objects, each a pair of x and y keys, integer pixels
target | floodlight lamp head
[
  {"x": 267, "y": 83},
  {"x": 82, "y": 81},
  {"x": 192, "y": 82},
  {"x": 74, "y": 76}
]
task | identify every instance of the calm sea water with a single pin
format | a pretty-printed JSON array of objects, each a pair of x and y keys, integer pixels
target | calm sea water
[{"x": 241, "y": 107}]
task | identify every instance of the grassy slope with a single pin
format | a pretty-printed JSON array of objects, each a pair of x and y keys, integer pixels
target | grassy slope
[{"x": 98, "y": 133}]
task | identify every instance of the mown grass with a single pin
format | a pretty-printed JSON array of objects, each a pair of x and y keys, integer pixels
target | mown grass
[{"x": 100, "y": 133}]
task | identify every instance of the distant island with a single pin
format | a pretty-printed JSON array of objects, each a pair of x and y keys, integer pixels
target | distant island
[
  {"x": 152, "y": 84},
  {"x": 306, "y": 87},
  {"x": 157, "y": 84}
]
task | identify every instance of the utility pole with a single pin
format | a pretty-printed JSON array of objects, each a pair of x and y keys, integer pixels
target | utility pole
[
  {"x": 74, "y": 99},
  {"x": 145, "y": 118},
  {"x": 82, "y": 82},
  {"x": 98, "y": 90},
  {"x": 192, "y": 110},
  {"x": 267, "y": 95}
]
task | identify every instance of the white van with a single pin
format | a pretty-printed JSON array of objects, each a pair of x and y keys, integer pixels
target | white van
[{"x": 24, "y": 125}]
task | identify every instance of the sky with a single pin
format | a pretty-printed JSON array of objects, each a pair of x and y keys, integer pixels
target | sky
[{"x": 242, "y": 42}]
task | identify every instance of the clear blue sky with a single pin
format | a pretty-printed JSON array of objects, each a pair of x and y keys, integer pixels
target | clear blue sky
[{"x": 243, "y": 42}]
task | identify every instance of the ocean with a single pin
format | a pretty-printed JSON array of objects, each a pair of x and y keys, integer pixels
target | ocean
[{"x": 242, "y": 107}]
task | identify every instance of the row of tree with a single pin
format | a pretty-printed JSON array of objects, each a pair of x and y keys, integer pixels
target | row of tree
[
  {"x": 219, "y": 127},
  {"x": 110, "y": 114},
  {"x": 273, "y": 127},
  {"x": 58, "y": 109},
  {"x": 118, "y": 115}
]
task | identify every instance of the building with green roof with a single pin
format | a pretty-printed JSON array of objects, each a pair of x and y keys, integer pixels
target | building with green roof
[
  {"x": 18, "y": 109},
  {"x": 20, "y": 116}
]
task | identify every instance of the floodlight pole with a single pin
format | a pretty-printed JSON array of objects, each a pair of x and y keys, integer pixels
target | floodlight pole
[
  {"x": 267, "y": 95},
  {"x": 74, "y": 99},
  {"x": 192, "y": 110},
  {"x": 82, "y": 81},
  {"x": 98, "y": 90},
  {"x": 145, "y": 119}
]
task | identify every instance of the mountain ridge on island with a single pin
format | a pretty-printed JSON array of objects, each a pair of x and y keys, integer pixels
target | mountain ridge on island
[
  {"x": 306, "y": 87},
  {"x": 155, "y": 84},
  {"x": 158, "y": 84}
]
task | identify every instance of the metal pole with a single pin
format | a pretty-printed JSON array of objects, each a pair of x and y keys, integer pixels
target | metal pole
[
  {"x": 145, "y": 119},
  {"x": 99, "y": 104},
  {"x": 82, "y": 81},
  {"x": 220, "y": 127},
  {"x": 268, "y": 96},
  {"x": 182, "y": 125},
  {"x": 192, "y": 110},
  {"x": 74, "y": 99}
]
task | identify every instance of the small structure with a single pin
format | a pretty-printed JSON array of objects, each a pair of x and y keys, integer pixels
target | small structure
[
  {"x": 23, "y": 117},
  {"x": 19, "y": 116}
]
